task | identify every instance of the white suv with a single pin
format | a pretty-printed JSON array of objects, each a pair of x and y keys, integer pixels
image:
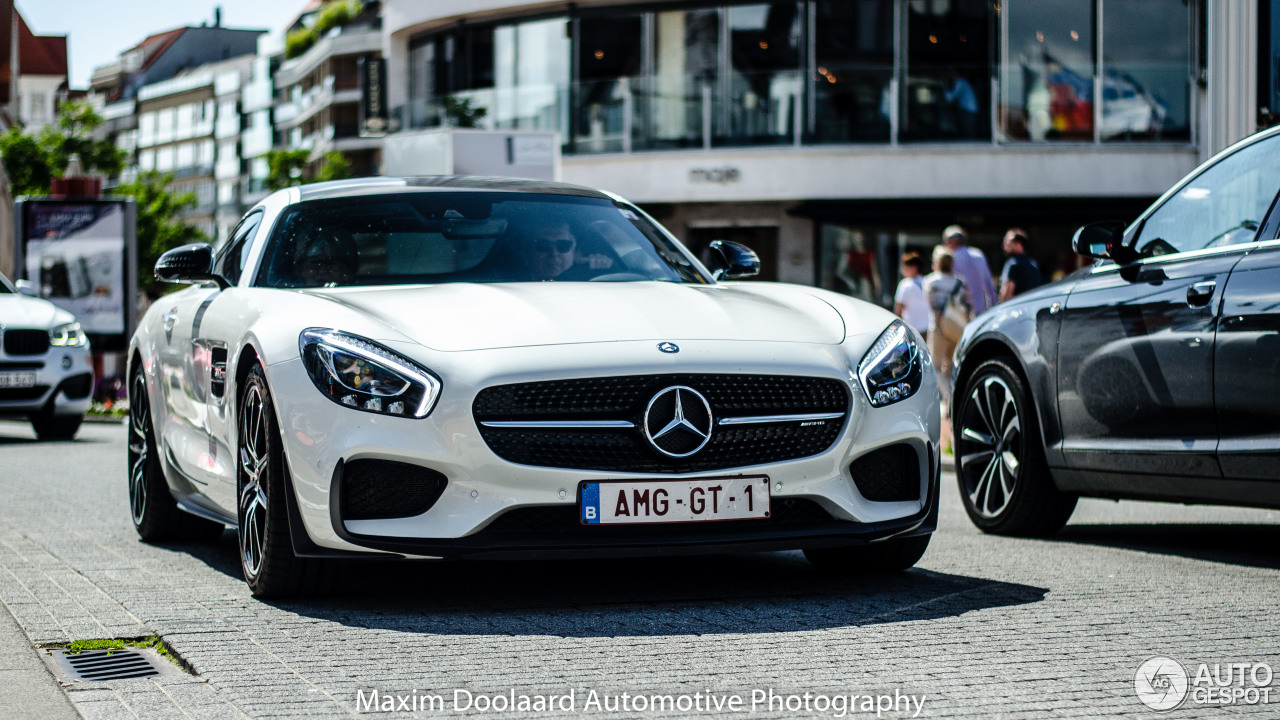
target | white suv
[{"x": 45, "y": 370}]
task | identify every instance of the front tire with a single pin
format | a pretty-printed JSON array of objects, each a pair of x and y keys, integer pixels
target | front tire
[
  {"x": 266, "y": 550},
  {"x": 55, "y": 427},
  {"x": 893, "y": 555},
  {"x": 155, "y": 514},
  {"x": 1000, "y": 463}
]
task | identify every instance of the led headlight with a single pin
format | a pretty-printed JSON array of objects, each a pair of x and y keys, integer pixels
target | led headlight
[
  {"x": 892, "y": 369},
  {"x": 363, "y": 375},
  {"x": 69, "y": 335}
]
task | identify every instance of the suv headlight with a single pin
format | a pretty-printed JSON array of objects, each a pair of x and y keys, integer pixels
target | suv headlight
[
  {"x": 363, "y": 375},
  {"x": 69, "y": 335},
  {"x": 892, "y": 369}
]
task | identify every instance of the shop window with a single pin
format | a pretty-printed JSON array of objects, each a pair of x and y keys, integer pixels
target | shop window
[
  {"x": 686, "y": 60},
  {"x": 1047, "y": 80},
  {"x": 764, "y": 80},
  {"x": 1146, "y": 61},
  {"x": 609, "y": 56},
  {"x": 948, "y": 78},
  {"x": 853, "y": 53}
]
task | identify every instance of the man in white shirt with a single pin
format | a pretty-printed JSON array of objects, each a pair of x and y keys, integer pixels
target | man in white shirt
[{"x": 971, "y": 267}]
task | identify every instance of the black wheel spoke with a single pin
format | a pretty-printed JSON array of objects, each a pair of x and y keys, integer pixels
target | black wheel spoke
[{"x": 988, "y": 444}]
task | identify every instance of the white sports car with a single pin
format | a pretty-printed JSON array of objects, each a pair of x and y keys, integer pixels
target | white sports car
[{"x": 467, "y": 367}]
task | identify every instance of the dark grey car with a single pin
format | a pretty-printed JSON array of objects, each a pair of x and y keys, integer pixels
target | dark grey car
[{"x": 1153, "y": 374}]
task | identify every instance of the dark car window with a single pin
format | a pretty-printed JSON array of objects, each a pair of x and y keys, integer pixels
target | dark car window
[
  {"x": 230, "y": 261},
  {"x": 1224, "y": 205},
  {"x": 443, "y": 237}
]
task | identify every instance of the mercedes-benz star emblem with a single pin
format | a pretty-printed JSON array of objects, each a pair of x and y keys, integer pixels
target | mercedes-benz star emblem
[
  {"x": 668, "y": 347},
  {"x": 677, "y": 421}
]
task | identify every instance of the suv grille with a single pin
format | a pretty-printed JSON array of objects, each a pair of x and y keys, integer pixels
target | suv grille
[
  {"x": 626, "y": 449},
  {"x": 26, "y": 342}
]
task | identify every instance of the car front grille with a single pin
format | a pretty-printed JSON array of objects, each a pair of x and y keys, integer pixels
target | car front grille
[
  {"x": 26, "y": 342},
  {"x": 380, "y": 489},
  {"x": 625, "y": 399},
  {"x": 889, "y": 474}
]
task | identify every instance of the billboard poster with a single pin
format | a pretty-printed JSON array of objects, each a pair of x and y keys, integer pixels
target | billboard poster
[{"x": 76, "y": 252}]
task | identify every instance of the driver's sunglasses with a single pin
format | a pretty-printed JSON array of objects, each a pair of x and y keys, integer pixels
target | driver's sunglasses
[{"x": 549, "y": 246}]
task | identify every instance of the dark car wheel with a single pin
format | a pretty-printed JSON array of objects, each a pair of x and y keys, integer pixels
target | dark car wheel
[
  {"x": 1000, "y": 464},
  {"x": 266, "y": 551},
  {"x": 55, "y": 427},
  {"x": 155, "y": 514},
  {"x": 882, "y": 557}
]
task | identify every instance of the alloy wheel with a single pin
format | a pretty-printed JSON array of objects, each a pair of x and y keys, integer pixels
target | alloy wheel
[
  {"x": 139, "y": 448},
  {"x": 254, "y": 468},
  {"x": 990, "y": 446}
]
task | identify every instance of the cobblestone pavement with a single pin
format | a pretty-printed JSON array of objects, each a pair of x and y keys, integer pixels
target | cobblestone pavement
[{"x": 985, "y": 627}]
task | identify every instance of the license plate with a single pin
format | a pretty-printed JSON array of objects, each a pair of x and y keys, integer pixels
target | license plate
[
  {"x": 17, "y": 380},
  {"x": 618, "y": 502}
]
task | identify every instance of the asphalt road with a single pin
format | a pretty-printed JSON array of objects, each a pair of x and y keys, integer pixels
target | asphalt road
[{"x": 984, "y": 627}]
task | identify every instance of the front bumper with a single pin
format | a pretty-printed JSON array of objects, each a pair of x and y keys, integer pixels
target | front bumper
[
  {"x": 474, "y": 517},
  {"x": 64, "y": 382}
]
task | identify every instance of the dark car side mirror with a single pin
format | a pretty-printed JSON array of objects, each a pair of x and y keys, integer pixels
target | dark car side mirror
[
  {"x": 737, "y": 261},
  {"x": 1103, "y": 240},
  {"x": 189, "y": 264}
]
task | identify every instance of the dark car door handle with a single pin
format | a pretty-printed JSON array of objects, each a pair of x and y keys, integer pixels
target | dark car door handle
[{"x": 1199, "y": 294}]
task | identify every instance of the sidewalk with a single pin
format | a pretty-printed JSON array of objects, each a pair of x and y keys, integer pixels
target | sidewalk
[{"x": 27, "y": 689}]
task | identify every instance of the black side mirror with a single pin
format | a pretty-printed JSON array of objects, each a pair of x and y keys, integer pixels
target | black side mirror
[
  {"x": 1104, "y": 240},
  {"x": 189, "y": 264},
  {"x": 737, "y": 261}
]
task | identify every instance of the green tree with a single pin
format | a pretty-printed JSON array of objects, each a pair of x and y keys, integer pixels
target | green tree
[
  {"x": 159, "y": 228},
  {"x": 287, "y": 168},
  {"x": 33, "y": 161},
  {"x": 459, "y": 112}
]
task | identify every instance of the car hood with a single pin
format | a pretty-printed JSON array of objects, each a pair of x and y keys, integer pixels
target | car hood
[
  {"x": 20, "y": 311},
  {"x": 462, "y": 316}
]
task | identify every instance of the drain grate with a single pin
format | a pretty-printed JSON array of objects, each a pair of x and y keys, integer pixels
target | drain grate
[{"x": 93, "y": 665}]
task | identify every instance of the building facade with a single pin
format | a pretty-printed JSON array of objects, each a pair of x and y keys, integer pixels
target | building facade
[{"x": 833, "y": 135}]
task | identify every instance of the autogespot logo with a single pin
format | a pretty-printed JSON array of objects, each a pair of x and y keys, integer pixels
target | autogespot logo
[{"x": 1161, "y": 683}]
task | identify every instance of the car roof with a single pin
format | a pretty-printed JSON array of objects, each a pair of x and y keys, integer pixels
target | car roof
[{"x": 436, "y": 183}]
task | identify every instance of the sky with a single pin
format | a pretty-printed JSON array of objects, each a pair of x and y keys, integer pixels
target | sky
[{"x": 98, "y": 31}]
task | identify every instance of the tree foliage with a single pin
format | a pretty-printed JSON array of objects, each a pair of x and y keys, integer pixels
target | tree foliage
[
  {"x": 32, "y": 161},
  {"x": 159, "y": 229},
  {"x": 287, "y": 168},
  {"x": 335, "y": 13}
]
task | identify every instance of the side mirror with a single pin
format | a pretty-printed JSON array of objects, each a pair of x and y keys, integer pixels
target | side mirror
[
  {"x": 26, "y": 287},
  {"x": 189, "y": 264},
  {"x": 737, "y": 261},
  {"x": 1104, "y": 240}
]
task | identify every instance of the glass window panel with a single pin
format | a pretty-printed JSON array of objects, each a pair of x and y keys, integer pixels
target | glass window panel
[
  {"x": 853, "y": 49},
  {"x": 764, "y": 78},
  {"x": 424, "y": 108},
  {"x": 1223, "y": 206},
  {"x": 610, "y": 56},
  {"x": 531, "y": 75},
  {"x": 686, "y": 57},
  {"x": 948, "y": 86},
  {"x": 1146, "y": 61},
  {"x": 1047, "y": 82}
]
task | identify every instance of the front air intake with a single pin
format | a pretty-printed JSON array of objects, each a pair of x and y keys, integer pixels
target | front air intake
[
  {"x": 890, "y": 474},
  {"x": 382, "y": 489}
]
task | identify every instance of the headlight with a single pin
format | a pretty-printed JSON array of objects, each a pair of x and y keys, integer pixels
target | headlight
[
  {"x": 361, "y": 374},
  {"x": 69, "y": 335},
  {"x": 893, "y": 367}
]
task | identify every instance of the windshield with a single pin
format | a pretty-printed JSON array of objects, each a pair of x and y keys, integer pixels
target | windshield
[
  {"x": 5, "y": 288},
  {"x": 443, "y": 237}
]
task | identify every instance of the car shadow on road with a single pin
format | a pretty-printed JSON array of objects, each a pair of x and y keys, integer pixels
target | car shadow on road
[
  {"x": 749, "y": 593},
  {"x": 1253, "y": 545}
]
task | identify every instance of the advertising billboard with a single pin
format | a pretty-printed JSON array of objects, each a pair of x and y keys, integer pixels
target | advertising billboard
[{"x": 79, "y": 254}]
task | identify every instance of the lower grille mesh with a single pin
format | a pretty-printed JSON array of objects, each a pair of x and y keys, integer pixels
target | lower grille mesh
[
  {"x": 887, "y": 475},
  {"x": 381, "y": 489}
]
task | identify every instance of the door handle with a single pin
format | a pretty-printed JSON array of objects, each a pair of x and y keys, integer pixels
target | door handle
[{"x": 1199, "y": 294}]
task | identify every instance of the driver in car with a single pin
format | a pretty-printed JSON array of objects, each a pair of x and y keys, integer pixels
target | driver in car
[{"x": 552, "y": 253}]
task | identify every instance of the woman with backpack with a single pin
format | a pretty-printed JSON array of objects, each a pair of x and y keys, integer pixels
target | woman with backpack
[{"x": 950, "y": 309}]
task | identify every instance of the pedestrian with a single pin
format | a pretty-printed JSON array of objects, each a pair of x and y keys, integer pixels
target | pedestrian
[
  {"x": 970, "y": 265},
  {"x": 950, "y": 308},
  {"x": 1020, "y": 272},
  {"x": 909, "y": 302}
]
